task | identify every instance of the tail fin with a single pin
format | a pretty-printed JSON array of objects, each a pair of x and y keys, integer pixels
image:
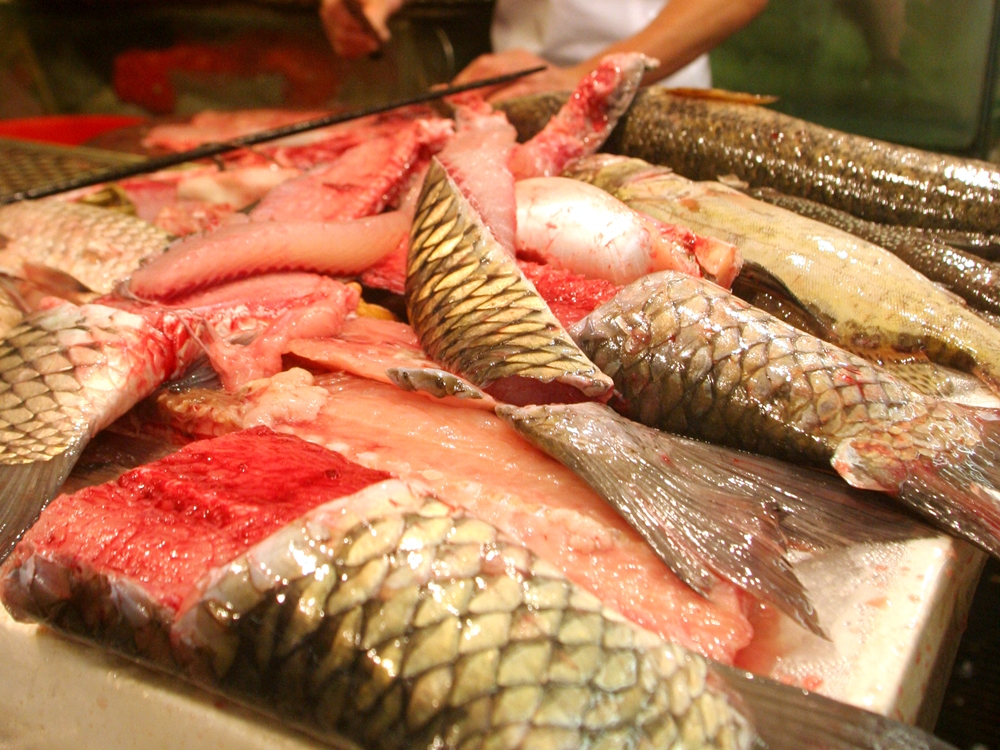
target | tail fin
[
  {"x": 788, "y": 718},
  {"x": 952, "y": 478},
  {"x": 707, "y": 510},
  {"x": 25, "y": 489}
]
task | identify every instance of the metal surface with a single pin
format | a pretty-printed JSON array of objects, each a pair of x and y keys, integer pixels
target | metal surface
[{"x": 25, "y": 164}]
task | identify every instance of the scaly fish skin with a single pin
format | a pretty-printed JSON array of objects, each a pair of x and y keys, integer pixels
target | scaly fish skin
[
  {"x": 878, "y": 181},
  {"x": 855, "y": 294},
  {"x": 688, "y": 357},
  {"x": 96, "y": 246},
  {"x": 69, "y": 371},
  {"x": 473, "y": 309},
  {"x": 975, "y": 280},
  {"x": 419, "y": 626}
]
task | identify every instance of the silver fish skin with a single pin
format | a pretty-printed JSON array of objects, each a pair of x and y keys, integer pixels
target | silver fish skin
[
  {"x": 688, "y": 357},
  {"x": 393, "y": 620},
  {"x": 887, "y": 305},
  {"x": 477, "y": 314},
  {"x": 96, "y": 246}
]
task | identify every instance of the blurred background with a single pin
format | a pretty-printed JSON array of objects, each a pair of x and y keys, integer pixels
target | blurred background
[{"x": 921, "y": 72}]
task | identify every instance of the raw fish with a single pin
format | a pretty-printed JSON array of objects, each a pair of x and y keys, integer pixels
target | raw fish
[
  {"x": 471, "y": 457},
  {"x": 690, "y": 358},
  {"x": 68, "y": 371},
  {"x": 387, "y": 616}
]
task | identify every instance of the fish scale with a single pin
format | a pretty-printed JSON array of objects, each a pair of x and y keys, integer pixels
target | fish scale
[
  {"x": 477, "y": 644},
  {"x": 795, "y": 397},
  {"x": 713, "y": 367},
  {"x": 52, "y": 378},
  {"x": 473, "y": 309},
  {"x": 96, "y": 246}
]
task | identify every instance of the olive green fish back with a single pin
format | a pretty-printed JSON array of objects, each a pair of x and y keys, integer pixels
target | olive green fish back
[
  {"x": 472, "y": 307},
  {"x": 429, "y": 629}
]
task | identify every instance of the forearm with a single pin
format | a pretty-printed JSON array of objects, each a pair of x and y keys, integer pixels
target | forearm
[{"x": 683, "y": 30}]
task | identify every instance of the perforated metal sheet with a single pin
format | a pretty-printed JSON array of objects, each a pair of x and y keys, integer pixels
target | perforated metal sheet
[{"x": 25, "y": 165}]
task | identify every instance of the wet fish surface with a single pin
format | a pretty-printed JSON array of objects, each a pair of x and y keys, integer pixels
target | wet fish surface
[
  {"x": 690, "y": 358},
  {"x": 96, "y": 246},
  {"x": 704, "y": 139},
  {"x": 970, "y": 277},
  {"x": 476, "y": 313},
  {"x": 799, "y": 269},
  {"x": 392, "y": 618}
]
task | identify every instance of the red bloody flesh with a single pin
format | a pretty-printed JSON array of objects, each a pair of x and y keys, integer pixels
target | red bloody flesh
[
  {"x": 166, "y": 524},
  {"x": 569, "y": 296}
]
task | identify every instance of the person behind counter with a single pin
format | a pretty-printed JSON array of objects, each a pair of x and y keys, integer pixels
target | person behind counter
[{"x": 570, "y": 36}]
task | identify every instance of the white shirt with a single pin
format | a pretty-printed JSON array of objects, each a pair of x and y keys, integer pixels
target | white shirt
[{"x": 566, "y": 32}]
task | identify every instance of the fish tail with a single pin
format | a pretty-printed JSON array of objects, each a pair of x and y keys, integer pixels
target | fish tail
[
  {"x": 789, "y": 718},
  {"x": 26, "y": 488},
  {"x": 702, "y": 523},
  {"x": 946, "y": 467}
]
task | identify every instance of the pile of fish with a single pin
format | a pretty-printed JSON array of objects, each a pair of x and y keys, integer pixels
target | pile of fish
[{"x": 489, "y": 525}]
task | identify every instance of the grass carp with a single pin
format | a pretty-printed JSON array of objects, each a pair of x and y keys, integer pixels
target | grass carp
[
  {"x": 704, "y": 139},
  {"x": 372, "y": 610},
  {"x": 96, "y": 246},
  {"x": 851, "y": 292},
  {"x": 478, "y": 315},
  {"x": 975, "y": 280},
  {"x": 688, "y": 357},
  {"x": 68, "y": 371}
]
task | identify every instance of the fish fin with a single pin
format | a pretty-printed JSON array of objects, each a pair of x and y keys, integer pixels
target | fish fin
[
  {"x": 756, "y": 285},
  {"x": 789, "y": 718},
  {"x": 956, "y": 489},
  {"x": 57, "y": 283},
  {"x": 818, "y": 510},
  {"x": 722, "y": 95},
  {"x": 25, "y": 489},
  {"x": 438, "y": 383},
  {"x": 700, "y": 527}
]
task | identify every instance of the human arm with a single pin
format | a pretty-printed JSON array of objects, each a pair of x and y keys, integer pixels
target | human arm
[{"x": 682, "y": 31}]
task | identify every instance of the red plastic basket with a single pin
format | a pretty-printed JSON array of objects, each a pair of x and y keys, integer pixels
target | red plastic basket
[{"x": 67, "y": 130}]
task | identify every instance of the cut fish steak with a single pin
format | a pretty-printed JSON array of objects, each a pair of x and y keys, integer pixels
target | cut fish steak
[
  {"x": 68, "y": 371},
  {"x": 387, "y": 616}
]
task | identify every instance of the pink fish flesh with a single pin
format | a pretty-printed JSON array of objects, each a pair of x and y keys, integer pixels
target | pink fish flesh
[
  {"x": 215, "y": 127},
  {"x": 473, "y": 459},
  {"x": 477, "y": 158},
  {"x": 361, "y": 182},
  {"x": 583, "y": 124},
  {"x": 337, "y": 248}
]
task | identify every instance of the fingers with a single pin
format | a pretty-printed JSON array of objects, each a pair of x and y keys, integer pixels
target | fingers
[{"x": 358, "y": 29}]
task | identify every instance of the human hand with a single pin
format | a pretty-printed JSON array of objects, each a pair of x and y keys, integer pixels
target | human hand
[
  {"x": 348, "y": 36},
  {"x": 501, "y": 63}
]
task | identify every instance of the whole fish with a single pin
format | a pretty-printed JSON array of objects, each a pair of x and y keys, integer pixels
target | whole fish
[
  {"x": 96, "y": 246},
  {"x": 688, "y": 357},
  {"x": 704, "y": 139},
  {"x": 839, "y": 286},
  {"x": 975, "y": 280},
  {"x": 475, "y": 312},
  {"x": 389, "y": 617}
]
